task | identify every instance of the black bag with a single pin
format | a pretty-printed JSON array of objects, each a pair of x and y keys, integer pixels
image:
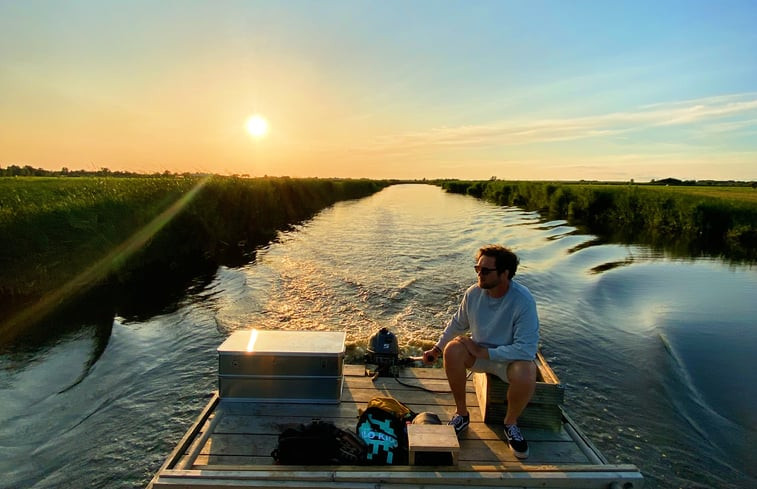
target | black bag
[
  {"x": 382, "y": 426},
  {"x": 319, "y": 443}
]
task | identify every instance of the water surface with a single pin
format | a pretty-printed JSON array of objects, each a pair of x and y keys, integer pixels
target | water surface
[{"x": 656, "y": 353}]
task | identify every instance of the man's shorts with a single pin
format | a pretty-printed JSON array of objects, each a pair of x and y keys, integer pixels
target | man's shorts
[{"x": 490, "y": 366}]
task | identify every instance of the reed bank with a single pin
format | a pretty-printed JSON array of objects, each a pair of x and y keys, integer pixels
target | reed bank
[
  {"x": 134, "y": 246},
  {"x": 680, "y": 219}
]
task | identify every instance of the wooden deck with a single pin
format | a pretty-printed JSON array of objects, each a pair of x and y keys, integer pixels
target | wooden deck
[{"x": 231, "y": 442}]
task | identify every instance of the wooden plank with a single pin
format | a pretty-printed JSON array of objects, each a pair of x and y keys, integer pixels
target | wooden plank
[
  {"x": 409, "y": 396},
  {"x": 390, "y": 383},
  {"x": 201, "y": 440},
  {"x": 404, "y": 372},
  {"x": 591, "y": 452},
  {"x": 190, "y": 435},
  {"x": 489, "y": 451},
  {"x": 541, "y": 452},
  {"x": 546, "y": 374},
  {"x": 359, "y": 395},
  {"x": 488, "y": 431},
  {"x": 422, "y": 373},
  {"x": 347, "y": 410},
  {"x": 399, "y": 479},
  {"x": 271, "y": 424},
  {"x": 498, "y": 467},
  {"x": 229, "y": 462},
  {"x": 193, "y": 449}
]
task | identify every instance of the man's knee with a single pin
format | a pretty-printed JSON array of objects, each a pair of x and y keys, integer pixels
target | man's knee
[
  {"x": 455, "y": 353},
  {"x": 521, "y": 372}
]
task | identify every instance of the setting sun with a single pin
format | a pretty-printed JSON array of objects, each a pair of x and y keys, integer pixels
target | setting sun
[{"x": 257, "y": 126}]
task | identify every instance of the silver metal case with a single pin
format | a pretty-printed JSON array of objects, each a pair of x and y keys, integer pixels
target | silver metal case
[{"x": 282, "y": 366}]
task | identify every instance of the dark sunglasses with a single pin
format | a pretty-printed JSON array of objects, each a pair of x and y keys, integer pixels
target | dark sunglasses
[{"x": 483, "y": 270}]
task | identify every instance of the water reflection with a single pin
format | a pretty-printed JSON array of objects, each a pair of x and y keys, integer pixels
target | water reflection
[
  {"x": 90, "y": 317},
  {"x": 146, "y": 293},
  {"x": 610, "y": 265},
  {"x": 726, "y": 248}
]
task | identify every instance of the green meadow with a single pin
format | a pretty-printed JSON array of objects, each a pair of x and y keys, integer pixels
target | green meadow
[
  {"x": 691, "y": 220},
  {"x": 737, "y": 195},
  {"x": 67, "y": 234}
]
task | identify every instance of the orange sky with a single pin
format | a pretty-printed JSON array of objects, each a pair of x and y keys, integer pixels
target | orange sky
[{"x": 389, "y": 90}]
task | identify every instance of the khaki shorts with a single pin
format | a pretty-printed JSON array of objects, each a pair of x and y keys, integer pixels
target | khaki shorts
[{"x": 489, "y": 366}]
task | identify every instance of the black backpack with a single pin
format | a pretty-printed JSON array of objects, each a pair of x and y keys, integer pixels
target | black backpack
[
  {"x": 319, "y": 443},
  {"x": 382, "y": 425}
]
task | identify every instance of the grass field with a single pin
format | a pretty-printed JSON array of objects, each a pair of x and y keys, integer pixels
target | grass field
[
  {"x": 734, "y": 194},
  {"x": 25, "y": 196}
]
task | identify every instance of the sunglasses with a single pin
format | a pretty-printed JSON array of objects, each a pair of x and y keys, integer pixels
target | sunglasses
[{"x": 483, "y": 270}]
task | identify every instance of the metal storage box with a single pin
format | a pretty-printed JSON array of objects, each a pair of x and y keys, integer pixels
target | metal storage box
[{"x": 282, "y": 366}]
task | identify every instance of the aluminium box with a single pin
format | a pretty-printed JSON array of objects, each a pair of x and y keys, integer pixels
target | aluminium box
[{"x": 282, "y": 366}]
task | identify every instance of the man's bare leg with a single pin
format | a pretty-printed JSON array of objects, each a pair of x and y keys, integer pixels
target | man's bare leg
[
  {"x": 457, "y": 359},
  {"x": 521, "y": 376}
]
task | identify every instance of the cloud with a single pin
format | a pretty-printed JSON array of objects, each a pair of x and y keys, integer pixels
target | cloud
[
  {"x": 709, "y": 109},
  {"x": 732, "y": 126}
]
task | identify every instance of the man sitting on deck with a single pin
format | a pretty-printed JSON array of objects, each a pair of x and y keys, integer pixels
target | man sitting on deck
[{"x": 501, "y": 316}]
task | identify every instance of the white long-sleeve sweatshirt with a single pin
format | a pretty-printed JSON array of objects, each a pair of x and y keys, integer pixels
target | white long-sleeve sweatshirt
[{"x": 508, "y": 325}]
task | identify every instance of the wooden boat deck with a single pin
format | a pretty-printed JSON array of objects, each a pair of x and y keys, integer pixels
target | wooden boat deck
[{"x": 231, "y": 442}]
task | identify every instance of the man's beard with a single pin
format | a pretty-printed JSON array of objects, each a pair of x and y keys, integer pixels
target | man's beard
[{"x": 486, "y": 286}]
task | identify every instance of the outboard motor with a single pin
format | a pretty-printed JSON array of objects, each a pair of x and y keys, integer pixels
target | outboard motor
[{"x": 383, "y": 349}]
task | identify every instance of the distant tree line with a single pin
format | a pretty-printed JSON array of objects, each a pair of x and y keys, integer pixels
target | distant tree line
[
  {"x": 711, "y": 183},
  {"x": 29, "y": 171},
  {"x": 451, "y": 184}
]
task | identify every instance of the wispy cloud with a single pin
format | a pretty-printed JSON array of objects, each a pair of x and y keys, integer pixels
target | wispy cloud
[
  {"x": 710, "y": 109},
  {"x": 732, "y": 126}
]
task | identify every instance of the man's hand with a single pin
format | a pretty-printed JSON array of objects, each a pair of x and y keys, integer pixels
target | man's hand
[
  {"x": 429, "y": 356},
  {"x": 474, "y": 348}
]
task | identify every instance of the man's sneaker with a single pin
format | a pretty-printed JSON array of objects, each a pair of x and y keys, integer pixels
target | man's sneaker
[
  {"x": 459, "y": 423},
  {"x": 516, "y": 441}
]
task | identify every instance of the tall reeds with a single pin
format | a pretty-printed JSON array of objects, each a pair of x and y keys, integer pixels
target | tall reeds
[
  {"x": 61, "y": 236},
  {"x": 634, "y": 213}
]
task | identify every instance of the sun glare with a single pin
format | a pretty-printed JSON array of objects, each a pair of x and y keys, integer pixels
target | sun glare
[{"x": 257, "y": 126}]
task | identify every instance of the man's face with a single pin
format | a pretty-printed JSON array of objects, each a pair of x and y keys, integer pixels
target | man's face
[{"x": 488, "y": 277}]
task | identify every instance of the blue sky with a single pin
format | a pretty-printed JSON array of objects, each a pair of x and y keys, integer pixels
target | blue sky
[{"x": 545, "y": 90}]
